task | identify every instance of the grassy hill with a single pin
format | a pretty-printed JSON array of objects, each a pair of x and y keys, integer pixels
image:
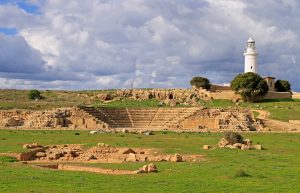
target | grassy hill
[
  {"x": 18, "y": 99},
  {"x": 284, "y": 109}
]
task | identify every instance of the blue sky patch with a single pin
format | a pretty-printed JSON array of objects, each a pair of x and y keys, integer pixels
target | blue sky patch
[
  {"x": 26, "y": 6},
  {"x": 29, "y": 8},
  {"x": 8, "y": 31}
]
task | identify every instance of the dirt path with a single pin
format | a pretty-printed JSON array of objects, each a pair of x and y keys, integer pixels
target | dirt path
[{"x": 275, "y": 125}]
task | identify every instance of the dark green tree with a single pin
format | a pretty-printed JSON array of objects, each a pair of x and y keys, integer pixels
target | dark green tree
[
  {"x": 282, "y": 86},
  {"x": 200, "y": 82},
  {"x": 250, "y": 86},
  {"x": 34, "y": 94}
]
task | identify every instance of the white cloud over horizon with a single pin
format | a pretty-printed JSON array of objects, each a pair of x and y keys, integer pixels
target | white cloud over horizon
[{"x": 101, "y": 44}]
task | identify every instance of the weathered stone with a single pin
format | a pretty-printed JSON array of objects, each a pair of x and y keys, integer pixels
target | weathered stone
[
  {"x": 32, "y": 146},
  {"x": 151, "y": 168},
  {"x": 245, "y": 147},
  {"x": 55, "y": 156},
  {"x": 247, "y": 142},
  {"x": 258, "y": 147},
  {"x": 40, "y": 154},
  {"x": 131, "y": 157},
  {"x": 238, "y": 145},
  {"x": 231, "y": 147},
  {"x": 145, "y": 169},
  {"x": 176, "y": 158},
  {"x": 222, "y": 143},
  {"x": 172, "y": 103},
  {"x": 206, "y": 147}
]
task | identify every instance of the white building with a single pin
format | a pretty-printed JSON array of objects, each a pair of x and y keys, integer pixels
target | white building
[{"x": 250, "y": 56}]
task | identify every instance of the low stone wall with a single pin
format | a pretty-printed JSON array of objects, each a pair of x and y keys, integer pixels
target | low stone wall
[
  {"x": 228, "y": 95},
  {"x": 200, "y": 123},
  {"x": 278, "y": 95},
  {"x": 30, "y": 155}
]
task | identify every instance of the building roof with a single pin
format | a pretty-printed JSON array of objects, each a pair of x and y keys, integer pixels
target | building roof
[{"x": 269, "y": 77}]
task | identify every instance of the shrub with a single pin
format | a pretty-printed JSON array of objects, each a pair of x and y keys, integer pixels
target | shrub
[
  {"x": 240, "y": 173},
  {"x": 282, "y": 86},
  {"x": 34, "y": 94},
  {"x": 250, "y": 86},
  {"x": 200, "y": 82},
  {"x": 233, "y": 137}
]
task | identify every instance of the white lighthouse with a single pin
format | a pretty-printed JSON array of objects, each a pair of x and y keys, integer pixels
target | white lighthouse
[{"x": 250, "y": 56}]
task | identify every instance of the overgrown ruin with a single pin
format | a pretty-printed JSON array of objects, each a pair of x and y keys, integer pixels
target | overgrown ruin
[{"x": 114, "y": 119}]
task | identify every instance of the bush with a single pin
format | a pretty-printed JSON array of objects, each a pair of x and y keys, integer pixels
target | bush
[
  {"x": 250, "y": 86},
  {"x": 233, "y": 137},
  {"x": 199, "y": 82},
  {"x": 282, "y": 86},
  {"x": 34, "y": 94},
  {"x": 240, "y": 173}
]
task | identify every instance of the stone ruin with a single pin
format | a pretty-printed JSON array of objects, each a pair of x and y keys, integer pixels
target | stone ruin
[
  {"x": 98, "y": 154},
  {"x": 233, "y": 119},
  {"x": 60, "y": 118},
  {"x": 169, "y": 97},
  {"x": 195, "y": 119},
  {"x": 244, "y": 145}
]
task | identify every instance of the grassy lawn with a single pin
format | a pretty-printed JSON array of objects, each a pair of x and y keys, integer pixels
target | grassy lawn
[{"x": 275, "y": 169}]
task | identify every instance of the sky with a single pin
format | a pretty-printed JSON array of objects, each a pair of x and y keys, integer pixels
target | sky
[{"x": 103, "y": 44}]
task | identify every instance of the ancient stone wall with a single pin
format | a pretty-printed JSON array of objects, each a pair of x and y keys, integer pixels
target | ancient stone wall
[
  {"x": 278, "y": 95},
  {"x": 229, "y": 95},
  {"x": 183, "y": 96},
  {"x": 222, "y": 119},
  {"x": 61, "y": 118}
]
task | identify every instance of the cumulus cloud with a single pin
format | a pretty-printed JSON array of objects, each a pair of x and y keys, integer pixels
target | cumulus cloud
[
  {"x": 116, "y": 44},
  {"x": 16, "y": 56}
]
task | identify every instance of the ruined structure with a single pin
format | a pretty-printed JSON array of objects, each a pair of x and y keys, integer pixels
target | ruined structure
[{"x": 114, "y": 119}]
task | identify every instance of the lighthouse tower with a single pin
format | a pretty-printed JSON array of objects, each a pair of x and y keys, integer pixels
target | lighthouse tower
[{"x": 250, "y": 56}]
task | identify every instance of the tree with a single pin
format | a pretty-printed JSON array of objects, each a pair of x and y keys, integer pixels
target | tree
[
  {"x": 250, "y": 86},
  {"x": 34, "y": 94},
  {"x": 200, "y": 82},
  {"x": 282, "y": 86}
]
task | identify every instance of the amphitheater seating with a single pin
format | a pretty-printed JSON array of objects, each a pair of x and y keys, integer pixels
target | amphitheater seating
[{"x": 140, "y": 118}]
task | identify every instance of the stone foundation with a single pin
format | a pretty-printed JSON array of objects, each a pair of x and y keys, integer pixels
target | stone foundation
[{"x": 61, "y": 118}]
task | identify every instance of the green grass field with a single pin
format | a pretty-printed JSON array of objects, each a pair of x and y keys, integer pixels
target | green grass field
[
  {"x": 283, "y": 109},
  {"x": 275, "y": 169}
]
